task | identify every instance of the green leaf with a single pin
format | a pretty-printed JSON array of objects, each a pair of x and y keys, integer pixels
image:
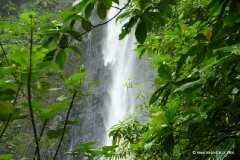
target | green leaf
[
  {"x": 61, "y": 98},
  {"x": 226, "y": 59},
  {"x": 81, "y": 4},
  {"x": 14, "y": 116},
  {"x": 164, "y": 71},
  {"x": 189, "y": 85},
  {"x": 6, "y": 108},
  {"x": 59, "y": 106},
  {"x": 149, "y": 23},
  {"x": 46, "y": 26},
  {"x": 116, "y": 1},
  {"x": 73, "y": 48},
  {"x": 72, "y": 23},
  {"x": 190, "y": 111},
  {"x": 61, "y": 58},
  {"x": 46, "y": 16},
  {"x": 56, "y": 133},
  {"x": 63, "y": 43},
  {"x": 75, "y": 35},
  {"x": 126, "y": 29},
  {"x": 107, "y": 3},
  {"x": 191, "y": 52},
  {"x": 170, "y": 113},
  {"x": 28, "y": 15},
  {"x": 167, "y": 10},
  {"x": 168, "y": 144},
  {"x": 88, "y": 10},
  {"x": 87, "y": 26},
  {"x": 109, "y": 148},
  {"x": 141, "y": 32},
  {"x": 46, "y": 65},
  {"x": 101, "y": 10},
  {"x": 7, "y": 94},
  {"x": 93, "y": 83},
  {"x": 66, "y": 13},
  {"x": 160, "y": 117},
  {"x": 77, "y": 76},
  {"x": 6, "y": 156},
  {"x": 124, "y": 15},
  {"x": 6, "y": 26},
  {"x": 157, "y": 94}
]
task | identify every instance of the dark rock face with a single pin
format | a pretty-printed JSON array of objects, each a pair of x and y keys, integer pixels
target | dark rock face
[{"x": 89, "y": 110}]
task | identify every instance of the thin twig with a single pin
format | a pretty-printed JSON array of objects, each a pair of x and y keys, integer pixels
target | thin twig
[
  {"x": 29, "y": 92},
  {"x": 41, "y": 133},
  {"x": 65, "y": 125}
]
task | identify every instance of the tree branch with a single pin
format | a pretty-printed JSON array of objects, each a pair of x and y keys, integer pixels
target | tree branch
[
  {"x": 65, "y": 125},
  {"x": 29, "y": 91}
]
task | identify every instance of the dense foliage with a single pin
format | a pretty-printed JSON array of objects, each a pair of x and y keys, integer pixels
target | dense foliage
[
  {"x": 194, "y": 45},
  {"x": 194, "y": 112}
]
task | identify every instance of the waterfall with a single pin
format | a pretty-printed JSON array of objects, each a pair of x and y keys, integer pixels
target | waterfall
[
  {"x": 123, "y": 65},
  {"x": 112, "y": 62}
]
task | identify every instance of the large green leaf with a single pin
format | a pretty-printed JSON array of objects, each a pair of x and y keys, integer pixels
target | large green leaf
[
  {"x": 63, "y": 43},
  {"x": 77, "y": 76},
  {"x": 7, "y": 94},
  {"x": 168, "y": 144},
  {"x": 87, "y": 26},
  {"x": 16, "y": 115},
  {"x": 76, "y": 35},
  {"x": 73, "y": 122},
  {"x": 93, "y": 83},
  {"x": 160, "y": 117},
  {"x": 73, "y": 48},
  {"x": 46, "y": 65},
  {"x": 6, "y": 156},
  {"x": 6, "y": 108},
  {"x": 191, "y": 52},
  {"x": 107, "y": 3},
  {"x": 157, "y": 94},
  {"x": 56, "y": 133},
  {"x": 164, "y": 71},
  {"x": 101, "y": 10},
  {"x": 88, "y": 10},
  {"x": 141, "y": 32},
  {"x": 189, "y": 85},
  {"x": 59, "y": 106},
  {"x": 109, "y": 148},
  {"x": 149, "y": 23},
  {"x": 61, "y": 58},
  {"x": 28, "y": 15}
]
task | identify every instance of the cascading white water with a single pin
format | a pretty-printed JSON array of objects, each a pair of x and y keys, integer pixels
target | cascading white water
[{"x": 124, "y": 64}]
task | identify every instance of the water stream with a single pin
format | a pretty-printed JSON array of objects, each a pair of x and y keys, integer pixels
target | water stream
[{"x": 124, "y": 65}]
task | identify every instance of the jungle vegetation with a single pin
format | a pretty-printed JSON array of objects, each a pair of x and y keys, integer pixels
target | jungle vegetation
[{"x": 193, "y": 110}]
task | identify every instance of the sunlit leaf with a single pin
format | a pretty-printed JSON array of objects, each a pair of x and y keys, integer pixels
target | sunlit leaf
[
  {"x": 61, "y": 58},
  {"x": 6, "y": 107}
]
